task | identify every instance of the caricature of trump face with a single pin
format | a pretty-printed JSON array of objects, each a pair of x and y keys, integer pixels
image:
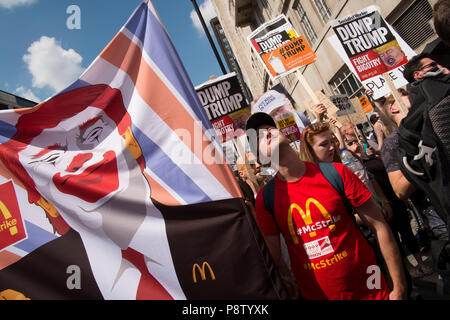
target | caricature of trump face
[
  {"x": 82, "y": 165},
  {"x": 391, "y": 54}
]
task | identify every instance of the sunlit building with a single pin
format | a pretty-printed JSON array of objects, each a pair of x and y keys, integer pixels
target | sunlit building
[{"x": 412, "y": 19}]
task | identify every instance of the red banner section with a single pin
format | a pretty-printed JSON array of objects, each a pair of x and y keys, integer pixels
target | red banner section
[{"x": 11, "y": 225}]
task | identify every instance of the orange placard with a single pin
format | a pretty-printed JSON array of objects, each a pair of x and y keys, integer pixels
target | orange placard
[
  {"x": 289, "y": 56},
  {"x": 365, "y": 104}
]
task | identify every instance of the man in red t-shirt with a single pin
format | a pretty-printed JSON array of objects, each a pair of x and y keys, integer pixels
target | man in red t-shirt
[{"x": 330, "y": 258}]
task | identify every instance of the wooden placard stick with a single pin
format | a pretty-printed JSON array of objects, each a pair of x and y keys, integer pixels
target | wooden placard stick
[{"x": 395, "y": 93}]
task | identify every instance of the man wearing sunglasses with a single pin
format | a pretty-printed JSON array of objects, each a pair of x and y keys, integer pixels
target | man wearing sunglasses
[
  {"x": 422, "y": 66},
  {"x": 424, "y": 147}
]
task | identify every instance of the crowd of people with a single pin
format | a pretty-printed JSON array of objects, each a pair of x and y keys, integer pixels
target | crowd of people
[{"x": 339, "y": 220}]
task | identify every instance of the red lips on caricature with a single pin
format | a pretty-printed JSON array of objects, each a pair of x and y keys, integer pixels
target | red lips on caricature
[{"x": 94, "y": 183}]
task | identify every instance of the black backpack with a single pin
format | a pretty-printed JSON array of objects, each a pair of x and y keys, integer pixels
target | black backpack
[
  {"x": 424, "y": 150},
  {"x": 424, "y": 141}
]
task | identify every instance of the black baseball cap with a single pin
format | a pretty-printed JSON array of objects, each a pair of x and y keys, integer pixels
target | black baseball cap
[{"x": 259, "y": 119}]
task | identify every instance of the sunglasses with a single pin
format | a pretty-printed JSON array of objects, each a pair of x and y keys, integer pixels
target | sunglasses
[
  {"x": 430, "y": 65},
  {"x": 317, "y": 126},
  {"x": 350, "y": 143}
]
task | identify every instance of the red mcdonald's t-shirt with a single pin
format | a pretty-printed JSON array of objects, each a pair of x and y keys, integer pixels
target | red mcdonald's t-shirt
[{"x": 330, "y": 258}]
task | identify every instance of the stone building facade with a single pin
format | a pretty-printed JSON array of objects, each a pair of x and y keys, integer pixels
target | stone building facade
[{"x": 412, "y": 19}]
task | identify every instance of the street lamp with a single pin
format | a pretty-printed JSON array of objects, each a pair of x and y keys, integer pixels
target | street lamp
[{"x": 194, "y": 2}]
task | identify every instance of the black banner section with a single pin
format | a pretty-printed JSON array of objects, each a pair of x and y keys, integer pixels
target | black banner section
[
  {"x": 219, "y": 252},
  {"x": 43, "y": 273}
]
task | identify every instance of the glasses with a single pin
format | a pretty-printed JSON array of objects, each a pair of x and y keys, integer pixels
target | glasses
[
  {"x": 350, "y": 143},
  {"x": 314, "y": 128},
  {"x": 430, "y": 65}
]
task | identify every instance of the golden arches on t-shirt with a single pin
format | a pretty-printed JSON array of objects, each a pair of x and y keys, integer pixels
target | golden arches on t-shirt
[{"x": 306, "y": 217}]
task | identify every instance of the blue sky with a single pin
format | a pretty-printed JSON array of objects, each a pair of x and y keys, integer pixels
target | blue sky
[{"x": 40, "y": 55}]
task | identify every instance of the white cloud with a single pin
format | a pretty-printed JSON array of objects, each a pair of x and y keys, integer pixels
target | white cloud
[
  {"x": 51, "y": 65},
  {"x": 27, "y": 94},
  {"x": 16, "y": 3},
  {"x": 208, "y": 12}
]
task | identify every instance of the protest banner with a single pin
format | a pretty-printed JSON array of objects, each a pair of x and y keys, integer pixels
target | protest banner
[
  {"x": 351, "y": 111},
  {"x": 365, "y": 104},
  {"x": 368, "y": 42},
  {"x": 343, "y": 103},
  {"x": 225, "y": 105},
  {"x": 371, "y": 47},
  {"x": 359, "y": 117},
  {"x": 99, "y": 202},
  {"x": 282, "y": 51},
  {"x": 289, "y": 56},
  {"x": 267, "y": 38},
  {"x": 278, "y": 103}
]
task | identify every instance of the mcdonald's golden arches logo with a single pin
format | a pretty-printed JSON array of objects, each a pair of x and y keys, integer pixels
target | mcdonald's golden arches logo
[
  {"x": 306, "y": 217},
  {"x": 202, "y": 271}
]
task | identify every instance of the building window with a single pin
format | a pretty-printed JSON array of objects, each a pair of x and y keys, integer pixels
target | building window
[
  {"x": 414, "y": 24},
  {"x": 306, "y": 23},
  {"x": 266, "y": 5},
  {"x": 323, "y": 9},
  {"x": 345, "y": 82}
]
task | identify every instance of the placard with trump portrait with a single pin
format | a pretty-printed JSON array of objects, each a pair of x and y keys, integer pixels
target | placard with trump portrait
[{"x": 369, "y": 43}]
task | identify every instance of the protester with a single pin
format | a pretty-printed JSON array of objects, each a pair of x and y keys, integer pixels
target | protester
[
  {"x": 379, "y": 129},
  {"x": 247, "y": 191},
  {"x": 249, "y": 176},
  {"x": 353, "y": 145},
  {"x": 320, "y": 112},
  {"x": 332, "y": 261},
  {"x": 319, "y": 144},
  {"x": 397, "y": 217},
  {"x": 250, "y": 171},
  {"x": 429, "y": 98},
  {"x": 400, "y": 184},
  {"x": 421, "y": 66},
  {"x": 369, "y": 147},
  {"x": 441, "y": 21}
]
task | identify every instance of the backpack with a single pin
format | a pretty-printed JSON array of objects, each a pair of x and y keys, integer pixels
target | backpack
[
  {"x": 424, "y": 152},
  {"x": 424, "y": 141}
]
